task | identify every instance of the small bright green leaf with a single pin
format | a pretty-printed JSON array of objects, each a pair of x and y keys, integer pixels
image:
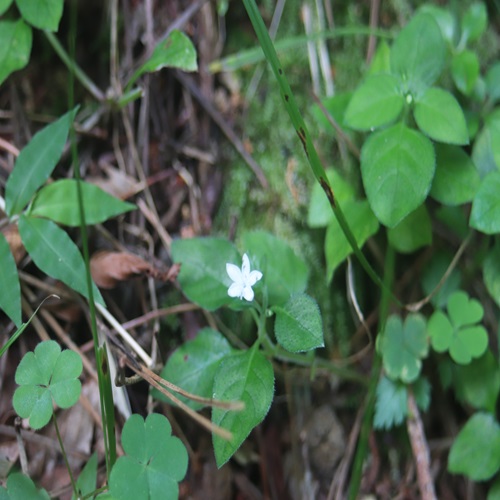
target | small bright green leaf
[
  {"x": 203, "y": 277},
  {"x": 445, "y": 20},
  {"x": 474, "y": 22},
  {"x": 381, "y": 61},
  {"x": 10, "y": 302},
  {"x": 284, "y": 272},
  {"x": 298, "y": 326},
  {"x": 15, "y": 47},
  {"x": 59, "y": 201},
  {"x": 35, "y": 163},
  {"x": 456, "y": 180},
  {"x": 465, "y": 71},
  {"x": 193, "y": 365},
  {"x": 245, "y": 376},
  {"x": 391, "y": 406},
  {"x": 21, "y": 487},
  {"x": 4, "y": 5},
  {"x": 418, "y": 54},
  {"x": 87, "y": 480},
  {"x": 476, "y": 450},
  {"x": 493, "y": 82},
  {"x": 45, "y": 376},
  {"x": 320, "y": 212},
  {"x": 154, "y": 460},
  {"x": 413, "y": 232},
  {"x": 485, "y": 214},
  {"x": 54, "y": 252},
  {"x": 363, "y": 224},
  {"x": 491, "y": 273},
  {"x": 42, "y": 14},
  {"x": 397, "y": 166},
  {"x": 439, "y": 115},
  {"x": 403, "y": 346},
  {"x": 177, "y": 51},
  {"x": 376, "y": 102}
]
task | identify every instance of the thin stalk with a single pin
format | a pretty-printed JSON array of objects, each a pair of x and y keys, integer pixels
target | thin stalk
[{"x": 65, "y": 457}]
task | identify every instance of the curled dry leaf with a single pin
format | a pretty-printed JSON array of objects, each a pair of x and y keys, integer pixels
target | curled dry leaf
[
  {"x": 11, "y": 233},
  {"x": 109, "y": 268}
]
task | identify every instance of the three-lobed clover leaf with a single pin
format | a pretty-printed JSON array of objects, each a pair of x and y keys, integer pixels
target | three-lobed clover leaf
[
  {"x": 458, "y": 331},
  {"x": 45, "y": 376},
  {"x": 154, "y": 460}
]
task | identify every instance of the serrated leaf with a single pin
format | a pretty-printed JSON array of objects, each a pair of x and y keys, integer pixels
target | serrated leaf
[
  {"x": 397, "y": 166},
  {"x": 418, "y": 54},
  {"x": 456, "y": 180},
  {"x": 10, "y": 302},
  {"x": 439, "y": 115},
  {"x": 412, "y": 233},
  {"x": 474, "y": 22},
  {"x": 376, "y": 102},
  {"x": 363, "y": 224},
  {"x": 53, "y": 251},
  {"x": 298, "y": 326},
  {"x": 43, "y": 14},
  {"x": 391, "y": 407},
  {"x": 35, "y": 163},
  {"x": 491, "y": 273},
  {"x": 465, "y": 71},
  {"x": 485, "y": 214},
  {"x": 193, "y": 365},
  {"x": 59, "y": 201},
  {"x": 15, "y": 47},
  {"x": 245, "y": 376},
  {"x": 403, "y": 346},
  {"x": 203, "y": 277},
  {"x": 476, "y": 450},
  {"x": 154, "y": 460}
]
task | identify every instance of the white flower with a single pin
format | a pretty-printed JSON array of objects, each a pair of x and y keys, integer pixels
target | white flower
[{"x": 243, "y": 278}]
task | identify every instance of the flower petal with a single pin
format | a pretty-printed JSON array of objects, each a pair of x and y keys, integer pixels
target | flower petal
[
  {"x": 236, "y": 290},
  {"x": 245, "y": 266},
  {"x": 253, "y": 277},
  {"x": 234, "y": 273},
  {"x": 248, "y": 293}
]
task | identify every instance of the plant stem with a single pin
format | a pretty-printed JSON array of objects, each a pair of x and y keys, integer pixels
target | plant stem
[{"x": 65, "y": 457}]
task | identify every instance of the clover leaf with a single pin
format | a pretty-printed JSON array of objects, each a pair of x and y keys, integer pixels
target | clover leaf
[
  {"x": 458, "y": 331},
  {"x": 403, "y": 345},
  {"x": 154, "y": 461},
  {"x": 45, "y": 376}
]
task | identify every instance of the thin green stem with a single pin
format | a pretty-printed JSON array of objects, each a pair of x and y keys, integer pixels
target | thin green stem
[{"x": 65, "y": 457}]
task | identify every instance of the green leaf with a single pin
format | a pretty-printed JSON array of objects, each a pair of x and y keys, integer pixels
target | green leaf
[
  {"x": 10, "y": 302},
  {"x": 474, "y": 22},
  {"x": 476, "y": 450},
  {"x": 21, "y": 487},
  {"x": 397, "y": 166},
  {"x": 403, "y": 346},
  {"x": 336, "y": 106},
  {"x": 176, "y": 51},
  {"x": 486, "y": 149},
  {"x": 245, "y": 376},
  {"x": 363, "y": 224},
  {"x": 413, "y": 232},
  {"x": 376, "y": 102},
  {"x": 457, "y": 332},
  {"x": 465, "y": 71},
  {"x": 53, "y": 251},
  {"x": 445, "y": 20},
  {"x": 203, "y": 277},
  {"x": 15, "y": 47},
  {"x": 193, "y": 365},
  {"x": 493, "y": 82},
  {"x": 42, "y": 14},
  {"x": 4, "y": 5},
  {"x": 491, "y": 273},
  {"x": 36, "y": 162},
  {"x": 418, "y": 54},
  {"x": 456, "y": 180},
  {"x": 298, "y": 326},
  {"x": 485, "y": 214},
  {"x": 320, "y": 212},
  {"x": 59, "y": 201},
  {"x": 381, "y": 61},
  {"x": 45, "y": 376},
  {"x": 391, "y": 406},
  {"x": 87, "y": 480},
  {"x": 439, "y": 116},
  {"x": 284, "y": 273},
  {"x": 154, "y": 460}
]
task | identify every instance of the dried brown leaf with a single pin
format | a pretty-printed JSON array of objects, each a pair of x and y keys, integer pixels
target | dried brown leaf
[
  {"x": 117, "y": 183},
  {"x": 11, "y": 233}
]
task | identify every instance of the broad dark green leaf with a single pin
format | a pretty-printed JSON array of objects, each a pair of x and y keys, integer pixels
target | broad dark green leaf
[
  {"x": 412, "y": 233},
  {"x": 465, "y": 71},
  {"x": 439, "y": 116},
  {"x": 59, "y": 201},
  {"x": 10, "y": 302},
  {"x": 418, "y": 54},
  {"x": 476, "y": 450},
  {"x": 485, "y": 215},
  {"x": 376, "y": 102},
  {"x": 15, "y": 47},
  {"x": 43, "y": 14},
  {"x": 53, "y": 251},
  {"x": 474, "y": 22},
  {"x": 246, "y": 376},
  {"x": 397, "y": 166},
  {"x": 36, "y": 162},
  {"x": 456, "y": 180}
]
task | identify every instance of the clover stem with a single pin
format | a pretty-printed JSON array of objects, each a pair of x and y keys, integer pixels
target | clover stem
[{"x": 61, "y": 444}]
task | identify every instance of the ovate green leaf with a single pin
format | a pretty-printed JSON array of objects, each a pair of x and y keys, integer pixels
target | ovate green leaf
[
  {"x": 493, "y": 82},
  {"x": 412, "y": 233},
  {"x": 21, "y": 487},
  {"x": 43, "y": 14},
  {"x": 10, "y": 302},
  {"x": 465, "y": 71},
  {"x": 485, "y": 215},
  {"x": 4, "y": 5},
  {"x": 15, "y": 47},
  {"x": 474, "y": 22}
]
